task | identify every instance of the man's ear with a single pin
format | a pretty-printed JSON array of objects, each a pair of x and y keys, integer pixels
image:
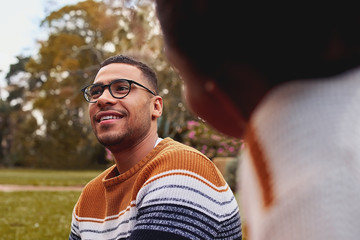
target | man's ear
[{"x": 157, "y": 107}]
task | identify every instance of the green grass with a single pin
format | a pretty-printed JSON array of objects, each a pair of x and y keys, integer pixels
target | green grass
[
  {"x": 46, "y": 177},
  {"x": 36, "y": 215}
]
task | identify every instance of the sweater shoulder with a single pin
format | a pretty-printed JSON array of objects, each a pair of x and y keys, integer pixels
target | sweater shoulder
[
  {"x": 169, "y": 145},
  {"x": 171, "y": 155}
]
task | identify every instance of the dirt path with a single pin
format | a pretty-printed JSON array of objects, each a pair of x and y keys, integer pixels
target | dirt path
[{"x": 14, "y": 188}]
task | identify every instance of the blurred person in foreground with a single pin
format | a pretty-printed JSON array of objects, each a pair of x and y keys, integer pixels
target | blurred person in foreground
[
  {"x": 158, "y": 188},
  {"x": 286, "y": 78}
]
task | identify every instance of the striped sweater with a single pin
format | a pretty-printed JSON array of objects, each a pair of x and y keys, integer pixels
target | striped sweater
[{"x": 175, "y": 192}]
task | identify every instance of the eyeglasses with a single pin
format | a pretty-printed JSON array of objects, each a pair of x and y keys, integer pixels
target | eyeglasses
[{"x": 118, "y": 88}]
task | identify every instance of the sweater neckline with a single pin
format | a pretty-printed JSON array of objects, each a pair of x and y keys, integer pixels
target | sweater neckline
[{"x": 112, "y": 176}]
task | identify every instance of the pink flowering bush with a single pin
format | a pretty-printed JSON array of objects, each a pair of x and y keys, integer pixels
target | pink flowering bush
[
  {"x": 210, "y": 142},
  {"x": 108, "y": 156}
]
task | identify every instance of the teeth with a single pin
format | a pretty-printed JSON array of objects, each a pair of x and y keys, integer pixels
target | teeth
[{"x": 109, "y": 117}]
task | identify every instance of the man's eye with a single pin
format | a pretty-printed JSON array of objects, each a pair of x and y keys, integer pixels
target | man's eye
[
  {"x": 122, "y": 88},
  {"x": 95, "y": 91}
]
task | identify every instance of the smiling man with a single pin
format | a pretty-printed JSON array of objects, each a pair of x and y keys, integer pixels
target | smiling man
[{"x": 158, "y": 188}]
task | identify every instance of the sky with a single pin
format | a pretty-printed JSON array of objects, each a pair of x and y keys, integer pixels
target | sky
[{"x": 20, "y": 28}]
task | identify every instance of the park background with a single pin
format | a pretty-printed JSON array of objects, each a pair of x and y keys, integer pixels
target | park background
[{"x": 45, "y": 134}]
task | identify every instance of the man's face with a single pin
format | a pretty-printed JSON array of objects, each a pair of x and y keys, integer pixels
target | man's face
[{"x": 121, "y": 121}]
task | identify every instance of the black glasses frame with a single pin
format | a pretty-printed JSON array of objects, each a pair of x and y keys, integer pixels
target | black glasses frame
[{"x": 87, "y": 97}]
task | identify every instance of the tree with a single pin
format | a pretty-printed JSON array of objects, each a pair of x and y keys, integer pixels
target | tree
[
  {"x": 4, "y": 125},
  {"x": 16, "y": 121},
  {"x": 50, "y": 127},
  {"x": 47, "y": 122}
]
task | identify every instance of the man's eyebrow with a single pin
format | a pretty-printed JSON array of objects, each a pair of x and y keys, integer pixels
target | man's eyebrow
[{"x": 111, "y": 81}]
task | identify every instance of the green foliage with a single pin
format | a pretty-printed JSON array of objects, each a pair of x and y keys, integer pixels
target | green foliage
[
  {"x": 231, "y": 173},
  {"x": 36, "y": 215},
  {"x": 44, "y": 121},
  {"x": 17, "y": 67},
  {"x": 5, "y": 111}
]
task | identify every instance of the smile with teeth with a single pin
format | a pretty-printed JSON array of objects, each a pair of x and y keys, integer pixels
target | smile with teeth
[{"x": 109, "y": 117}]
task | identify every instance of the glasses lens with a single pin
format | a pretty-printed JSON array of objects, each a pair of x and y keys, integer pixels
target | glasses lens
[
  {"x": 93, "y": 92},
  {"x": 120, "y": 88}
]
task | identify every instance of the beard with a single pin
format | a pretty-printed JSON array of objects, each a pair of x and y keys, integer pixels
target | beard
[
  {"x": 112, "y": 139},
  {"x": 123, "y": 139}
]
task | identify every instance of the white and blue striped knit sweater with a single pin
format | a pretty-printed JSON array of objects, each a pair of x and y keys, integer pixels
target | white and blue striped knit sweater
[{"x": 175, "y": 192}]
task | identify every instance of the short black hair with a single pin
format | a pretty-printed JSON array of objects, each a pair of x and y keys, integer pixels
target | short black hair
[
  {"x": 148, "y": 72},
  {"x": 284, "y": 42}
]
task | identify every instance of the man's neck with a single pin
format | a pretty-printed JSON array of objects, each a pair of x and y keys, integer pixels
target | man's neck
[{"x": 128, "y": 158}]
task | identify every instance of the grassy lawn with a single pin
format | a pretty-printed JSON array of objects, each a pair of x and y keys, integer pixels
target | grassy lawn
[
  {"x": 38, "y": 215},
  {"x": 46, "y": 177}
]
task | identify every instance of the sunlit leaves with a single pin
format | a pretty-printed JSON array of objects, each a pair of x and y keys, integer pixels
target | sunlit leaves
[{"x": 51, "y": 109}]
